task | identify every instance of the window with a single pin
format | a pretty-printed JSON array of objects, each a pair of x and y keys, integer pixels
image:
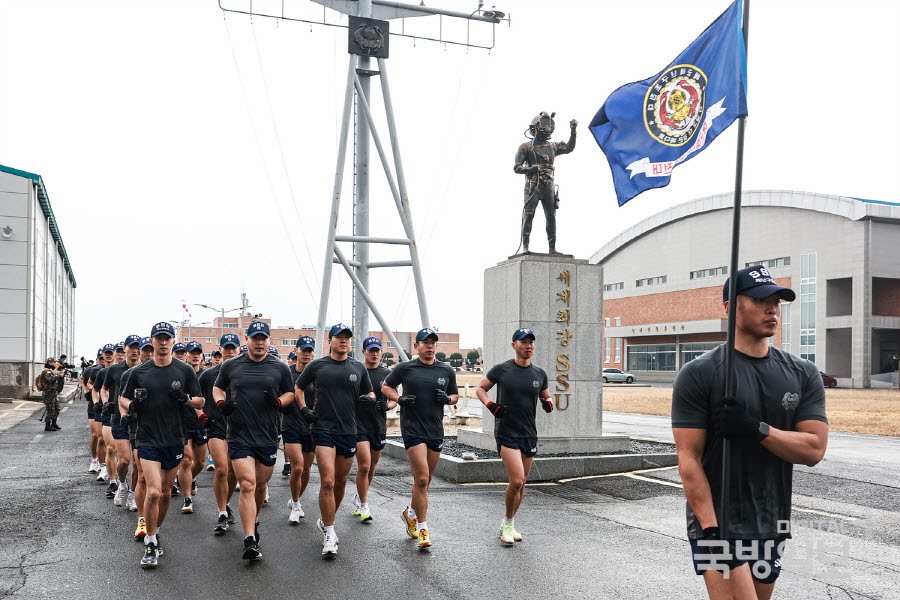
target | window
[
  {"x": 209, "y": 340},
  {"x": 808, "y": 306},
  {"x": 786, "y": 326},
  {"x": 652, "y": 357},
  {"x": 618, "y": 321},
  {"x": 606, "y": 359},
  {"x": 612, "y": 287},
  {"x": 618, "y": 350},
  {"x": 695, "y": 350},
  {"x": 651, "y": 281},
  {"x": 709, "y": 272},
  {"x": 772, "y": 263},
  {"x": 606, "y": 322},
  {"x": 229, "y": 325},
  {"x": 289, "y": 342}
]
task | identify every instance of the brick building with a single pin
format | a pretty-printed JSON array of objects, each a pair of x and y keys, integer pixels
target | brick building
[
  {"x": 663, "y": 282},
  {"x": 284, "y": 338}
]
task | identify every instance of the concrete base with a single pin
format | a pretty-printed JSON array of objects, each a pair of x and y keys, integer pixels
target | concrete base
[
  {"x": 543, "y": 469},
  {"x": 552, "y": 445}
]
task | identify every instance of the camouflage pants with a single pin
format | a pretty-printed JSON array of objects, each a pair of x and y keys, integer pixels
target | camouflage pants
[{"x": 52, "y": 404}]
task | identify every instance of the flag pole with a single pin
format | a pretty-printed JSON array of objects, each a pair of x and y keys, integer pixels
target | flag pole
[{"x": 730, "y": 380}]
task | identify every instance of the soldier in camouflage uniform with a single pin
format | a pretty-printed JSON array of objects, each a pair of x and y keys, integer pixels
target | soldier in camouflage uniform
[{"x": 50, "y": 386}]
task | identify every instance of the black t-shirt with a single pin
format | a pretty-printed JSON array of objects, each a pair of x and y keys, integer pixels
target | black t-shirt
[
  {"x": 88, "y": 377},
  {"x": 191, "y": 420},
  {"x": 113, "y": 383},
  {"x": 207, "y": 381},
  {"x": 518, "y": 389},
  {"x": 161, "y": 423},
  {"x": 290, "y": 416},
  {"x": 780, "y": 390},
  {"x": 99, "y": 377},
  {"x": 370, "y": 419},
  {"x": 338, "y": 384},
  {"x": 425, "y": 419},
  {"x": 254, "y": 422},
  {"x": 133, "y": 419}
]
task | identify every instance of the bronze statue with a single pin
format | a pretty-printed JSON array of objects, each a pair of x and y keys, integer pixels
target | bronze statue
[{"x": 534, "y": 159}]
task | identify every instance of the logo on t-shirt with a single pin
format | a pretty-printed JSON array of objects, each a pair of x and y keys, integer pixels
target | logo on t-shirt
[
  {"x": 442, "y": 381},
  {"x": 176, "y": 385},
  {"x": 790, "y": 401},
  {"x": 535, "y": 384},
  {"x": 353, "y": 377}
]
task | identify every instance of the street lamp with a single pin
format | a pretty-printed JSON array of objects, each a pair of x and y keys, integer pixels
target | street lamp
[{"x": 222, "y": 312}]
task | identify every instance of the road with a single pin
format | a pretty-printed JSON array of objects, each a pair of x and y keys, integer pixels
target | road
[{"x": 616, "y": 537}]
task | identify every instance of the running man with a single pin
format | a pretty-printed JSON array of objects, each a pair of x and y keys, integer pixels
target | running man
[
  {"x": 520, "y": 384},
  {"x": 156, "y": 392},
  {"x": 371, "y": 429},
  {"x": 341, "y": 383},
  {"x": 107, "y": 458},
  {"x": 299, "y": 449},
  {"x": 428, "y": 386},
  {"x": 112, "y": 387},
  {"x": 260, "y": 385},
  {"x": 195, "y": 448},
  {"x": 137, "y": 496},
  {"x": 179, "y": 351},
  {"x": 93, "y": 418},
  {"x": 776, "y": 420}
]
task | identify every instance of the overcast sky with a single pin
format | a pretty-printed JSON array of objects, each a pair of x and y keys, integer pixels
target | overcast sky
[{"x": 190, "y": 154}]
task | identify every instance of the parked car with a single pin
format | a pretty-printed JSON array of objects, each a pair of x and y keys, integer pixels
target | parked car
[
  {"x": 828, "y": 380},
  {"x": 617, "y": 376}
]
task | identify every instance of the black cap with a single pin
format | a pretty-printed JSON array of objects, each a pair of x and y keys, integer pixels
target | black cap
[{"x": 755, "y": 281}]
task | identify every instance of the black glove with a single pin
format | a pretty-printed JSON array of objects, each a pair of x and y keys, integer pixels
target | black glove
[
  {"x": 226, "y": 407},
  {"x": 107, "y": 409},
  {"x": 206, "y": 421},
  {"x": 309, "y": 415},
  {"x": 367, "y": 400},
  {"x": 123, "y": 420},
  {"x": 178, "y": 396},
  {"x": 441, "y": 396},
  {"x": 381, "y": 404},
  {"x": 714, "y": 544},
  {"x": 498, "y": 410},
  {"x": 137, "y": 404},
  {"x": 547, "y": 405},
  {"x": 271, "y": 399},
  {"x": 407, "y": 400},
  {"x": 733, "y": 420},
  {"x": 98, "y": 408}
]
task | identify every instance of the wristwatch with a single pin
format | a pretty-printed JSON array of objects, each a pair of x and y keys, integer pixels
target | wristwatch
[{"x": 763, "y": 431}]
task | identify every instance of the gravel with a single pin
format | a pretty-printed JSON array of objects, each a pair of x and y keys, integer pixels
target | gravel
[{"x": 454, "y": 448}]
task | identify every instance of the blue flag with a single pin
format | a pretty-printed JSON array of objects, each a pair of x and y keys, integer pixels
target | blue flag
[{"x": 649, "y": 127}]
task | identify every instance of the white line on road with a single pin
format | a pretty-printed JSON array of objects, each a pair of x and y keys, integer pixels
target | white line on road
[{"x": 36, "y": 438}]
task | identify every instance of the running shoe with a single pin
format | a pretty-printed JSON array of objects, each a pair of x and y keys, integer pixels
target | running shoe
[
  {"x": 251, "y": 549},
  {"x": 102, "y": 474},
  {"x": 149, "y": 560},
  {"x": 321, "y": 525},
  {"x": 132, "y": 503},
  {"x": 356, "y": 504},
  {"x": 516, "y": 535},
  {"x": 424, "y": 539},
  {"x": 141, "y": 531},
  {"x": 364, "y": 515},
  {"x": 230, "y": 515},
  {"x": 95, "y": 466},
  {"x": 210, "y": 465},
  {"x": 256, "y": 531},
  {"x": 193, "y": 487},
  {"x": 176, "y": 491},
  {"x": 506, "y": 535},
  {"x": 411, "y": 524},
  {"x": 330, "y": 546},
  {"x": 222, "y": 524},
  {"x": 112, "y": 490},
  {"x": 286, "y": 470},
  {"x": 266, "y": 500},
  {"x": 121, "y": 495},
  {"x": 159, "y": 550},
  {"x": 188, "y": 506},
  {"x": 296, "y": 512}
]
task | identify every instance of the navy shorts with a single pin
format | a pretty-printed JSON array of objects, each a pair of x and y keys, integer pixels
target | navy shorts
[
  {"x": 436, "y": 444},
  {"x": 216, "y": 432},
  {"x": 526, "y": 445},
  {"x": 119, "y": 432},
  {"x": 295, "y": 437},
  {"x": 376, "y": 440},
  {"x": 265, "y": 455},
  {"x": 345, "y": 445},
  {"x": 133, "y": 444},
  {"x": 764, "y": 557},
  {"x": 97, "y": 417},
  {"x": 168, "y": 458},
  {"x": 105, "y": 419},
  {"x": 90, "y": 411},
  {"x": 198, "y": 436}
]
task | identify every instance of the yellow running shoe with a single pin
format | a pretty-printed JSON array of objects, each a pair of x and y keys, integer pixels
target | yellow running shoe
[
  {"x": 141, "y": 531},
  {"x": 411, "y": 524},
  {"x": 506, "y": 535},
  {"x": 424, "y": 539},
  {"x": 516, "y": 535}
]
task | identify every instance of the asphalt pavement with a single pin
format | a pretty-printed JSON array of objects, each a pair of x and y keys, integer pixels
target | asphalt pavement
[{"x": 617, "y": 537}]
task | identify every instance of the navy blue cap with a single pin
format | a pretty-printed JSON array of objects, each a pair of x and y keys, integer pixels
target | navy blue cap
[
  {"x": 306, "y": 343},
  {"x": 244, "y": 349},
  {"x": 230, "y": 339},
  {"x": 426, "y": 333},
  {"x": 273, "y": 351},
  {"x": 292, "y": 355},
  {"x": 756, "y": 282},
  {"x": 216, "y": 353},
  {"x": 132, "y": 340},
  {"x": 522, "y": 333},
  {"x": 338, "y": 329},
  {"x": 371, "y": 342},
  {"x": 120, "y": 346},
  {"x": 179, "y": 347},
  {"x": 145, "y": 342},
  {"x": 257, "y": 327},
  {"x": 194, "y": 347},
  {"x": 162, "y": 327},
  {"x": 108, "y": 348}
]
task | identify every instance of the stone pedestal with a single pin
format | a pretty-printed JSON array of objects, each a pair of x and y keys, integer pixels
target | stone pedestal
[{"x": 559, "y": 298}]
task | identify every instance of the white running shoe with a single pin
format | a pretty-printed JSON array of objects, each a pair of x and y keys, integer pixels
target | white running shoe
[
  {"x": 356, "y": 504},
  {"x": 95, "y": 466},
  {"x": 296, "y": 512},
  {"x": 103, "y": 474},
  {"x": 132, "y": 503},
  {"x": 121, "y": 495},
  {"x": 330, "y": 546}
]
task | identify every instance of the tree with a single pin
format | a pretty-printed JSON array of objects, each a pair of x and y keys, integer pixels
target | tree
[
  {"x": 387, "y": 358},
  {"x": 440, "y": 357},
  {"x": 472, "y": 358},
  {"x": 456, "y": 359}
]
